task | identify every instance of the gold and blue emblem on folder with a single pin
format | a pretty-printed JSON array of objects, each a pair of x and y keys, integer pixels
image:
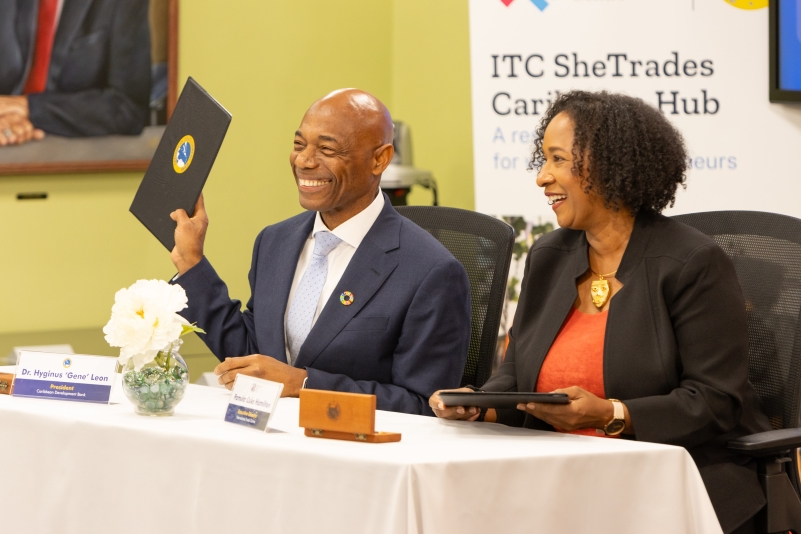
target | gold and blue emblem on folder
[{"x": 184, "y": 152}]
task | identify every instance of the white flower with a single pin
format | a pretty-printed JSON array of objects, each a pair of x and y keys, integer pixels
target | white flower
[{"x": 144, "y": 320}]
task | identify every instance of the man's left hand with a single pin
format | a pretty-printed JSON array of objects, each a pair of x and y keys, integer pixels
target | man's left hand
[
  {"x": 262, "y": 367},
  {"x": 14, "y": 104},
  {"x": 585, "y": 410}
]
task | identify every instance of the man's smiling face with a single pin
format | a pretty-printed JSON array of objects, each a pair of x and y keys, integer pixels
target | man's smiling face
[{"x": 334, "y": 157}]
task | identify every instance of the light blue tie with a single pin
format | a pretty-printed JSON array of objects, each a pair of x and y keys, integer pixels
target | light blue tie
[{"x": 307, "y": 294}]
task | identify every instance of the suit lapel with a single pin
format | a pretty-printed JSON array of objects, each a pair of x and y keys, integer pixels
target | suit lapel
[
  {"x": 279, "y": 274},
  {"x": 635, "y": 250},
  {"x": 366, "y": 273},
  {"x": 26, "y": 35},
  {"x": 632, "y": 258},
  {"x": 558, "y": 306},
  {"x": 72, "y": 16}
]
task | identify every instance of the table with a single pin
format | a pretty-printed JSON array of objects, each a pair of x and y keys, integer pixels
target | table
[{"x": 82, "y": 468}]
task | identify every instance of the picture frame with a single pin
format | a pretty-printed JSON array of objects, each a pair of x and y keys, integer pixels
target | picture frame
[{"x": 84, "y": 146}]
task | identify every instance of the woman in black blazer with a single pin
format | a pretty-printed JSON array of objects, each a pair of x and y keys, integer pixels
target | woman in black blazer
[{"x": 674, "y": 349}]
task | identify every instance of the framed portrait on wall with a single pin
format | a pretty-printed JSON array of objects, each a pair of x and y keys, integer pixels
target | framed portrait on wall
[{"x": 85, "y": 85}]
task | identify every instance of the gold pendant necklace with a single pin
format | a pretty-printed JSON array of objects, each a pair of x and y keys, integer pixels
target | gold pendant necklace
[{"x": 600, "y": 289}]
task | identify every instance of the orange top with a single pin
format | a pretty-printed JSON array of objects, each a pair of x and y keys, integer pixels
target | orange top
[{"x": 576, "y": 358}]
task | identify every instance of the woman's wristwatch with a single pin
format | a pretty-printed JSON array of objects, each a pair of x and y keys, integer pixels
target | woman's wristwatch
[{"x": 618, "y": 422}]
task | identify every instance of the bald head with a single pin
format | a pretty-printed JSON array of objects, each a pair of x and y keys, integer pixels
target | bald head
[
  {"x": 342, "y": 146},
  {"x": 367, "y": 114}
]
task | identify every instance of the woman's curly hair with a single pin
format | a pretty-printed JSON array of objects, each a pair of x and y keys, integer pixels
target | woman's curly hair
[{"x": 635, "y": 158}]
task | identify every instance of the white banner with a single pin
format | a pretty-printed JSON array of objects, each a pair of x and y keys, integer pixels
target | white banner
[{"x": 704, "y": 63}]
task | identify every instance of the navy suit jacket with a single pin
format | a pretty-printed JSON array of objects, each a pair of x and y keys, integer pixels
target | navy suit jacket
[
  {"x": 405, "y": 335},
  {"x": 99, "y": 77}
]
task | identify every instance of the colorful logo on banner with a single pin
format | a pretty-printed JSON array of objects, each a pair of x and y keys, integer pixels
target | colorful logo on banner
[
  {"x": 748, "y": 4},
  {"x": 541, "y": 4}
]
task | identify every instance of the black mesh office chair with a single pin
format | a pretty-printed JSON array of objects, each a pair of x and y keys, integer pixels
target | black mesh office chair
[
  {"x": 483, "y": 245},
  {"x": 766, "y": 251}
]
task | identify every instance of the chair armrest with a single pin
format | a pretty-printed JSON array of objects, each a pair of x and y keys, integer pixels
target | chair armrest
[{"x": 766, "y": 443}]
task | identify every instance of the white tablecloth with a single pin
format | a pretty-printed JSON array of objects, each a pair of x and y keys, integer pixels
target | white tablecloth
[{"x": 81, "y": 468}]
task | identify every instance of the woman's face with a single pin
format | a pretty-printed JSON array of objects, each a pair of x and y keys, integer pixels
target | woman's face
[{"x": 573, "y": 207}]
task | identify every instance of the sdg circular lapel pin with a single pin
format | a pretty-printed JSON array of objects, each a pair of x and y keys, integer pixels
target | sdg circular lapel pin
[
  {"x": 184, "y": 152},
  {"x": 346, "y": 298}
]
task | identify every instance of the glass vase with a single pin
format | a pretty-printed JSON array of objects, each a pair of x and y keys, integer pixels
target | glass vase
[{"x": 158, "y": 386}]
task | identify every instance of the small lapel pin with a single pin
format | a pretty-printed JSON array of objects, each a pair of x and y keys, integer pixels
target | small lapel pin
[{"x": 346, "y": 298}]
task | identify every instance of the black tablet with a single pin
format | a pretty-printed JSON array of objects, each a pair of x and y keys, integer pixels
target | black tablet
[{"x": 483, "y": 399}]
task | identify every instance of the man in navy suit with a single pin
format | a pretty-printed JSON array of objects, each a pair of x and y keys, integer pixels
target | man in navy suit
[
  {"x": 348, "y": 296},
  {"x": 73, "y": 68}
]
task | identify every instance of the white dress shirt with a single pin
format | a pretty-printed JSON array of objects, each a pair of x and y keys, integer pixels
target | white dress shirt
[
  {"x": 58, "y": 11},
  {"x": 351, "y": 232}
]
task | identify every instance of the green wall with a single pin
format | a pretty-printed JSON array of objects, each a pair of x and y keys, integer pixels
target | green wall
[
  {"x": 62, "y": 259},
  {"x": 431, "y": 92}
]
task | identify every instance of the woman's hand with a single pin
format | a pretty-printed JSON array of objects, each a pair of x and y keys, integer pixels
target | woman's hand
[
  {"x": 458, "y": 413},
  {"x": 585, "y": 410}
]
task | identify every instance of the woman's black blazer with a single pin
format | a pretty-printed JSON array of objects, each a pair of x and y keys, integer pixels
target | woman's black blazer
[{"x": 675, "y": 349}]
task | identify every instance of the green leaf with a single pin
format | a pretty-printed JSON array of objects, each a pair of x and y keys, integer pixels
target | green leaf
[
  {"x": 542, "y": 229},
  {"x": 518, "y": 223},
  {"x": 511, "y": 289},
  {"x": 187, "y": 328}
]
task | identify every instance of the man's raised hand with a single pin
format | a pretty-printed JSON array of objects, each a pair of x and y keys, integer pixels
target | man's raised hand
[{"x": 190, "y": 234}]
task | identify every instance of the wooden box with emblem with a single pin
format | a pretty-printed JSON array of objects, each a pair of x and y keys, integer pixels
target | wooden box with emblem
[
  {"x": 6, "y": 383},
  {"x": 336, "y": 415}
]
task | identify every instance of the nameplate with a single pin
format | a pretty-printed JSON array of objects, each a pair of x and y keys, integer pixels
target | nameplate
[
  {"x": 69, "y": 377},
  {"x": 253, "y": 401}
]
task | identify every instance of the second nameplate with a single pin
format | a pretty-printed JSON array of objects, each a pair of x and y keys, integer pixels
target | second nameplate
[{"x": 253, "y": 401}]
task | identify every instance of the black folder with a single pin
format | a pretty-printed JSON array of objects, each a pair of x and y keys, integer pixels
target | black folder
[{"x": 182, "y": 162}]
